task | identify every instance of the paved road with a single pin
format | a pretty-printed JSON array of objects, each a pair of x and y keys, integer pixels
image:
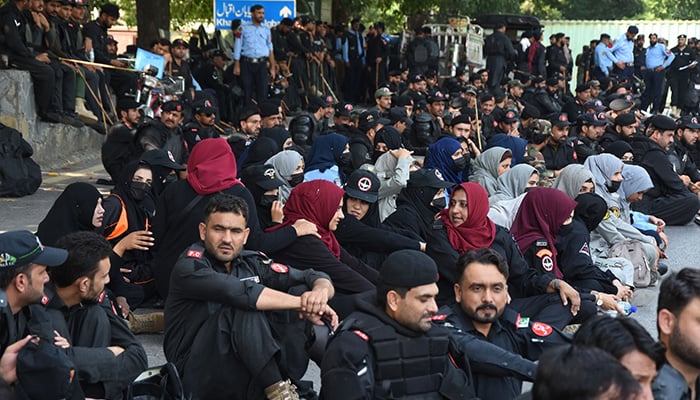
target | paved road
[{"x": 27, "y": 212}]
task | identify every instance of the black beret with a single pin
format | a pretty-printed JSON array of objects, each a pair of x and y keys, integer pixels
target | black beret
[
  {"x": 662, "y": 122},
  {"x": 408, "y": 269},
  {"x": 625, "y": 119}
]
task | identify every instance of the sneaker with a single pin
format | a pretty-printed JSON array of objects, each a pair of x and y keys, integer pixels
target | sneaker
[
  {"x": 146, "y": 323},
  {"x": 697, "y": 219},
  {"x": 662, "y": 268}
]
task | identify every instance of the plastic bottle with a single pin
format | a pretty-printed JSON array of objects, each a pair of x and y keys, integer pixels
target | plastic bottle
[{"x": 626, "y": 307}]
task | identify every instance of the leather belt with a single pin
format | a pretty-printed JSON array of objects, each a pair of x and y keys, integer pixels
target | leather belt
[
  {"x": 629, "y": 64},
  {"x": 254, "y": 60}
]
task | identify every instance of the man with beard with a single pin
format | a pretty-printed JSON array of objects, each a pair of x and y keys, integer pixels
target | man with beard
[
  {"x": 591, "y": 128},
  {"x": 499, "y": 341},
  {"x": 657, "y": 60},
  {"x": 364, "y": 359},
  {"x": 178, "y": 65},
  {"x": 677, "y": 317},
  {"x": 107, "y": 355},
  {"x": 202, "y": 126},
  {"x": 165, "y": 133},
  {"x": 119, "y": 148},
  {"x": 557, "y": 152}
]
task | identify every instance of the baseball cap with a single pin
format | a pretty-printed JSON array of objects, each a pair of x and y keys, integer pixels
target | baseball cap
[
  {"x": 180, "y": 42},
  {"x": 436, "y": 95},
  {"x": 18, "y": 248},
  {"x": 470, "y": 89},
  {"x": 172, "y": 105},
  {"x": 514, "y": 83},
  {"x": 408, "y": 269},
  {"x": 626, "y": 119},
  {"x": 399, "y": 114},
  {"x": 688, "y": 122},
  {"x": 263, "y": 176},
  {"x": 344, "y": 109},
  {"x": 248, "y": 112},
  {"x": 220, "y": 53},
  {"x": 596, "y": 105},
  {"x": 363, "y": 185},
  {"x": 428, "y": 177},
  {"x": 111, "y": 40},
  {"x": 509, "y": 116},
  {"x": 159, "y": 157},
  {"x": 593, "y": 83},
  {"x": 582, "y": 87},
  {"x": 592, "y": 119},
  {"x": 560, "y": 120},
  {"x": 553, "y": 81},
  {"x": 204, "y": 107},
  {"x": 460, "y": 119},
  {"x": 369, "y": 120},
  {"x": 382, "y": 91},
  {"x": 318, "y": 101},
  {"x": 662, "y": 122},
  {"x": 403, "y": 101},
  {"x": 416, "y": 78}
]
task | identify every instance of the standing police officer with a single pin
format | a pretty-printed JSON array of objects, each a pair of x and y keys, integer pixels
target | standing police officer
[
  {"x": 366, "y": 360},
  {"x": 623, "y": 50},
  {"x": 253, "y": 55},
  {"x": 353, "y": 55}
]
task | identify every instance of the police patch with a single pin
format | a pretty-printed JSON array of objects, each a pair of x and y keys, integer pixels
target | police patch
[
  {"x": 194, "y": 254},
  {"x": 523, "y": 322},
  {"x": 541, "y": 329},
  {"x": 279, "y": 268},
  {"x": 7, "y": 260},
  {"x": 585, "y": 249},
  {"x": 439, "y": 317},
  {"x": 547, "y": 263},
  {"x": 361, "y": 334}
]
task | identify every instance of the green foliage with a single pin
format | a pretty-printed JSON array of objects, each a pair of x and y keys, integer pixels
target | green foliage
[
  {"x": 602, "y": 9},
  {"x": 181, "y": 11}
]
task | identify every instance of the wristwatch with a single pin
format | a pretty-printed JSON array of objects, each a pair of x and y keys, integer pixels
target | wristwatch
[{"x": 598, "y": 300}]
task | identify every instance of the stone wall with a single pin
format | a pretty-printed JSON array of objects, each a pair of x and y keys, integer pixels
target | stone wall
[{"x": 54, "y": 144}]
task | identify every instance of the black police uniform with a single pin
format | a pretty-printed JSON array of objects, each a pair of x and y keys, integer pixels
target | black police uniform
[
  {"x": 121, "y": 81},
  {"x": 546, "y": 102},
  {"x": 155, "y": 135},
  {"x": 683, "y": 164},
  {"x": 501, "y": 361},
  {"x": 498, "y": 51},
  {"x": 355, "y": 67},
  {"x": 21, "y": 55},
  {"x": 373, "y": 356},
  {"x": 194, "y": 132},
  {"x": 583, "y": 147},
  {"x": 214, "y": 334},
  {"x": 559, "y": 156},
  {"x": 526, "y": 286},
  {"x": 670, "y": 384},
  {"x": 91, "y": 328},
  {"x": 679, "y": 80},
  {"x": 377, "y": 47},
  {"x": 669, "y": 199}
]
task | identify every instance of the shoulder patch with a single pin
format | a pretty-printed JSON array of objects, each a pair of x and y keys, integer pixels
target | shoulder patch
[
  {"x": 45, "y": 300},
  {"x": 522, "y": 322},
  {"x": 585, "y": 249},
  {"x": 439, "y": 317},
  {"x": 541, "y": 329},
  {"x": 279, "y": 268},
  {"x": 607, "y": 215},
  {"x": 194, "y": 254},
  {"x": 361, "y": 334},
  {"x": 544, "y": 253}
]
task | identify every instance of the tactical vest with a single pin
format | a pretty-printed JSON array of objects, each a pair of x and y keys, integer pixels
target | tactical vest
[
  {"x": 354, "y": 51},
  {"x": 406, "y": 367}
]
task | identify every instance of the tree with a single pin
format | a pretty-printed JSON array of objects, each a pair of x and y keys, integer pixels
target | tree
[
  {"x": 153, "y": 18},
  {"x": 602, "y": 9}
]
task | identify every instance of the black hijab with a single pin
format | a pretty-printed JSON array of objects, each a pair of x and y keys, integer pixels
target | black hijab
[
  {"x": 71, "y": 212},
  {"x": 278, "y": 134},
  {"x": 590, "y": 209},
  {"x": 138, "y": 210},
  {"x": 260, "y": 151}
]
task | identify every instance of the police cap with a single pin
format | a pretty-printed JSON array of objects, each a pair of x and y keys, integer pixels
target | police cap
[
  {"x": 662, "y": 123},
  {"x": 408, "y": 269},
  {"x": 172, "y": 105},
  {"x": 688, "y": 122},
  {"x": 625, "y": 119},
  {"x": 363, "y": 185},
  {"x": 18, "y": 248}
]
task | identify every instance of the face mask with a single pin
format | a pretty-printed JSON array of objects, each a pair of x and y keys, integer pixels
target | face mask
[
  {"x": 439, "y": 203},
  {"x": 138, "y": 190},
  {"x": 344, "y": 160},
  {"x": 460, "y": 163},
  {"x": 613, "y": 186},
  {"x": 565, "y": 229},
  {"x": 267, "y": 199},
  {"x": 296, "y": 179}
]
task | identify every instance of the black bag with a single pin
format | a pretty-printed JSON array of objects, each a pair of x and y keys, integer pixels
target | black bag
[
  {"x": 160, "y": 383},
  {"x": 19, "y": 174},
  {"x": 45, "y": 372}
]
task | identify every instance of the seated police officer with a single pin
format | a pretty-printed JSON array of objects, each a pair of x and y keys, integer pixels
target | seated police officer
[
  {"x": 216, "y": 330},
  {"x": 202, "y": 125},
  {"x": 500, "y": 343},
  {"x": 389, "y": 347}
]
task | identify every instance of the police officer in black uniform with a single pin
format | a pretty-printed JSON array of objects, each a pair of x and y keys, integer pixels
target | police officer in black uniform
[
  {"x": 679, "y": 79},
  {"x": 363, "y": 360},
  {"x": 119, "y": 147},
  {"x": 591, "y": 128},
  {"x": 558, "y": 153},
  {"x": 203, "y": 124},
  {"x": 165, "y": 133},
  {"x": 218, "y": 327},
  {"x": 498, "y": 51},
  {"x": 377, "y": 57},
  {"x": 500, "y": 342}
]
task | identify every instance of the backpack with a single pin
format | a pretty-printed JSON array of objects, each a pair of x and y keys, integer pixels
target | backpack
[
  {"x": 159, "y": 383},
  {"x": 633, "y": 250},
  {"x": 19, "y": 174}
]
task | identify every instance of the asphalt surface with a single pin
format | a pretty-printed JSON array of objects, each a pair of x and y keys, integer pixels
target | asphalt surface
[{"x": 27, "y": 212}]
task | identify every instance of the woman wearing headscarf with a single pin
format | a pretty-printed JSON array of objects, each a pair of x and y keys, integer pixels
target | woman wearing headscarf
[
  {"x": 388, "y": 138},
  {"x": 211, "y": 169},
  {"x": 636, "y": 181},
  {"x": 264, "y": 185},
  {"x": 574, "y": 255},
  {"x": 447, "y": 156},
  {"x": 280, "y": 135},
  {"x": 320, "y": 202},
  {"x": 607, "y": 176},
  {"x": 543, "y": 213},
  {"x": 419, "y": 202},
  {"x": 574, "y": 179},
  {"x": 516, "y": 145},
  {"x": 361, "y": 232},
  {"x": 515, "y": 182},
  {"x": 329, "y": 159},
  {"x": 622, "y": 150},
  {"x": 258, "y": 152},
  {"x": 289, "y": 165},
  {"x": 78, "y": 208},
  {"x": 464, "y": 226},
  {"x": 392, "y": 168},
  {"x": 488, "y": 166}
]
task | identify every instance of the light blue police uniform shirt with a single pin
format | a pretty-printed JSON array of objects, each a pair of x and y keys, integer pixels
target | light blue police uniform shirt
[
  {"x": 658, "y": 55},
  {"x": 623, "y": 49},
  {"x": 604, "y": 58},
  {"x": 255, "y": 42}
]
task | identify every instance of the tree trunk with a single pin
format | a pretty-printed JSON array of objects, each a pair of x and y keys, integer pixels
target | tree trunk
[{"x": 152, "y": 16}]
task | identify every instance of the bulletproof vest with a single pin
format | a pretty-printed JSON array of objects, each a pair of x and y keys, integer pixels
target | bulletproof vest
[
  {"x": 302, "y": 128},
  {"x": 405, "y": 367},
  {"x": 353, "y": 49}
]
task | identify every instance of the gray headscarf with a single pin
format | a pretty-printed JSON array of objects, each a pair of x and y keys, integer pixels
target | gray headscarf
[
  {"x": 285, "y": 162},
  {"x": 571, "y": 178},
  {"x": 603, "y": 166},
  {"x": 636, "y": 179},
  {"x": 486, "y": 168},
  {"x": 512, "y": 183}
]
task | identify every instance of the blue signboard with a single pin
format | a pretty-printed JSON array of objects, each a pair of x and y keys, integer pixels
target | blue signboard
[{"x": 226, "y": 11}]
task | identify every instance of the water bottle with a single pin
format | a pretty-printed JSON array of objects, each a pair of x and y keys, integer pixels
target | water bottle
[
  {"x": 91, "y": 55},
  {"x": 626, "y": 307}
]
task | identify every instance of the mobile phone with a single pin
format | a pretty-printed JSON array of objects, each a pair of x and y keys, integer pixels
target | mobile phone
[{"x": 280, "y": 197}]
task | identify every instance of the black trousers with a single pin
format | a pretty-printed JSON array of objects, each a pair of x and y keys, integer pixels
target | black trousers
[
  {"x": 64, "y": 94},
  {"x": 43, "y": 78},
  {"x": 255, "y": 79},
  {"x": 675, "y": 209},
  {"x": 654, "y": 81},
  {"x": 353, "y": 76},
  {"x": 122, "y": 82}
]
